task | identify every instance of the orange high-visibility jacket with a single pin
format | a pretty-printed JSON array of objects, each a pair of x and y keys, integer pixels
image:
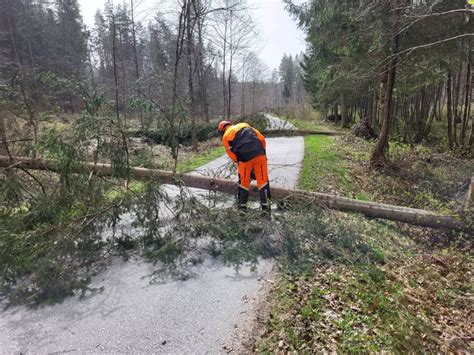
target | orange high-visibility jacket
[{"x": 243, "y": 142}]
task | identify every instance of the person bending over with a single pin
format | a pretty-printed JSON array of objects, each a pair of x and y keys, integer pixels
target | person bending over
[{"x": 246, "y": 146}]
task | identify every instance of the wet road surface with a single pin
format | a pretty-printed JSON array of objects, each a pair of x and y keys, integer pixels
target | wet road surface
[{"x": 199, "y": 315}]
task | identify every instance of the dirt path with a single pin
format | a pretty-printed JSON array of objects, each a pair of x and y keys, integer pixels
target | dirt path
[{"x": 198, "y": 315}]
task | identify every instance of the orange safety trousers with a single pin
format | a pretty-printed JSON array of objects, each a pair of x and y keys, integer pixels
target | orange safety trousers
[{"x": 260, "y": 168}]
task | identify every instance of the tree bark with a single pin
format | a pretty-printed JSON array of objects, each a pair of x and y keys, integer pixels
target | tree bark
[
  {"x": 471, "y": 137},
  {"x": 467, "y": 92},
  {"x": 242, "y": 95},
  {"x": 254, "y": 89},
  {"x": 224, "y": 58},
  {"x": 190, "y": 52},
  {"x": 229, "y": 78},
  {"x": 174, "y": 129},
  {"x": 13, "y": 32},
  {"x": 135, "y": 57},
  {"x": 344, "y": 117},
  {"x": 455, "y": 100},
  {"x": 450, "y": 112},
  {"x": 3, "y": 134},
  {"x": 203, "y": 97},
  {"x": 469, "y": 207},
  {"x": 119, "y": 123},
  {"x": 114, "y": 60},
  {"x": 379, "y": 153}
]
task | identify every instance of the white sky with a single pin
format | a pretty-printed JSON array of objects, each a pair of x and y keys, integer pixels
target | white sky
[{"x": 278, "y": 31}]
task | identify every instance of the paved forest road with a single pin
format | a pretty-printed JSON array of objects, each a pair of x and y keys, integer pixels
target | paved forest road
[{"x": 199, "y": 315}]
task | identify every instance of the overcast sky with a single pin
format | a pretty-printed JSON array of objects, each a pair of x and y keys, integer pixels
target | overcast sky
[{"x": 278, "y": 31}]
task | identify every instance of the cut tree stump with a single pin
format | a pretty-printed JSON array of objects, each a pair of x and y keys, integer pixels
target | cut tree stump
[{"x": 377, "y": 210}]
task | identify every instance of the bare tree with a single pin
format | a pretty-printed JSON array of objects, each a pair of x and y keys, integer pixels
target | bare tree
[{"x": 233, "y": 33}]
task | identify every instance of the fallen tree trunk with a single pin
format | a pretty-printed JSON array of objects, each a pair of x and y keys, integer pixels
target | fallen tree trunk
[
  {"x": 371, "y": 209},
  {"x": 299, "y": 132}
]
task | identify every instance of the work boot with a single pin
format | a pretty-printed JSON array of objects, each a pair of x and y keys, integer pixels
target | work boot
[
  {"x": 243, "y": 196},
  {"x": 264, "y": 196},
  {"x": 265, "y": 202}
]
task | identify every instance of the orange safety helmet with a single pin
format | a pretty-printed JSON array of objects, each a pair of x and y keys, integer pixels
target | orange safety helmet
[{"x": 222, "y": 125}]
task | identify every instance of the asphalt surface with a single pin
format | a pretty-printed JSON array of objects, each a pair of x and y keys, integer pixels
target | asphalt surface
[{"x": 200, "y": 315}]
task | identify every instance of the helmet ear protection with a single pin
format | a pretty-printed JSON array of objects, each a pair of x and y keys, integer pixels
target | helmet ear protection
[{"x": 222, "y": 126}]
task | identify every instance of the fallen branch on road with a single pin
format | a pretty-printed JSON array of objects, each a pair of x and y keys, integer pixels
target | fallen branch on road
[{"x": 377, "y": 210}]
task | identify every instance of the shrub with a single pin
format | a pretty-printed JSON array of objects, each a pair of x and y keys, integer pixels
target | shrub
[
  {"x": 204, "y": 131},
  {"x": 257, "y": 120}
]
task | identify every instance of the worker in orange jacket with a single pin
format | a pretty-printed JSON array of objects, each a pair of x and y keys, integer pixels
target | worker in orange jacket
[{"x": 246, "y": 146}]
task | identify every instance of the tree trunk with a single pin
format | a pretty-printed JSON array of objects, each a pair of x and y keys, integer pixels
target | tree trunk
[
  {"x": 432, "y": 113},
  {"x": 450, "y": 112},
  {"x": 254, "y": 89},
  {"x": 382, "y": 93},
  {"x": 229, "y": 77},
  {"x": 224, "y": 52},
  {"x": 469, "y": 207},
  {"x": 379, "y": 153},
  {"x": 13, "y": 33},
  {"x": 456, "y": 96},
  {"x": 174, "y": 129},
  {"x": 190, "y": 50},
  {"x": 465, "y": 118},
  {"x": 124, "y": 79},
  {"x": 471, "y": 137},
  {"x": 3, "y": 134},
  {"x": 371, "y": 209},
  {"x": 344, "y": 117},
  {"x": 203, "y": 99},
  {"x": 135, "y": 57},
  {"x": 370, "y": 111},
  {"x": 229, "y": 86},
  {"x": 119, "y": 123},
  {"x": 114, "y": 60},
  {"x": 242, "y": 95}
]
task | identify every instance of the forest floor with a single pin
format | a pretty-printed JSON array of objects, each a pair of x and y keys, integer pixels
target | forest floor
[{"x": 411, "y": 291}]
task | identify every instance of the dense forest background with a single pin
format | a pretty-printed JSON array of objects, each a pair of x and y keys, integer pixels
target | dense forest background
[
  {"x": 401, "y": 69},
  {"x": 189, "y": 64}
]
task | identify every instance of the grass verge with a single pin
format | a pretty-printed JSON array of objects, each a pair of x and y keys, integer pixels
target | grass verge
[
  {"x": 311, "y": 125},
  {"x": 371, "y": 285},
  {"x": 194, "y": 161},
  {"x": 324, "y": 170}
]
